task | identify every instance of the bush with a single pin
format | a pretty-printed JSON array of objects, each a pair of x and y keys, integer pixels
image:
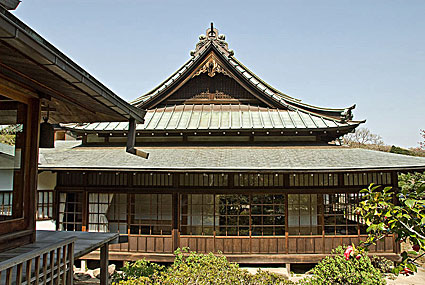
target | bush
[
  {"x": 383, "y": 264},
  {"x": 133, "y": 270},
  {"x": 194, "y": 268},
  {"x": 335, "y": 269},
  {"x": 399, "y": 150}
]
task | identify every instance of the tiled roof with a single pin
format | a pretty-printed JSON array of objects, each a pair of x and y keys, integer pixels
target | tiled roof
[
  {"x": 227, "y": 158},
  {"x": 220, "y": 117},
  {"x": 237, "y": 67}
]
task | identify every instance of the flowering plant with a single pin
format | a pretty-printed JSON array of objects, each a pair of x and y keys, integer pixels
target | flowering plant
[{"x": 352, "y": 251}]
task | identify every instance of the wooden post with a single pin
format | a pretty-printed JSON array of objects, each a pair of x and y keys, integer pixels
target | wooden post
[
  {"x": 175, "y": 230},
  {"x": 286, "y": 223},
  {"x": 70, "y": 275},
  {"x": 37, "y": 270},
  {"x": 19, "y": 273},
  {"x": 104, "y": 262},
  {"x": 32, "y": 148}
]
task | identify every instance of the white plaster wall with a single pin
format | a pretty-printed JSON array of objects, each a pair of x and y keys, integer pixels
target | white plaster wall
[
  {"x": 46, "y": 180},
  {"x": 6, "y": 179}
]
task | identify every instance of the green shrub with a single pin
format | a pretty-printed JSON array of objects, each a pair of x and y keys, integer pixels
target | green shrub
[
  {"x": 337, "y": 270},
  {"x": 134, "y": 270},
  {"x": 197, "y": 268},
  {"x": 194, "y": 268},
  {"x": 399, "y": 150},
  {"x": 383, "y": 264}
]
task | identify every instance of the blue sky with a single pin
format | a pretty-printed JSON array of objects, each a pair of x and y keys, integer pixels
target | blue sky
[{"x": 327, "y": 53}]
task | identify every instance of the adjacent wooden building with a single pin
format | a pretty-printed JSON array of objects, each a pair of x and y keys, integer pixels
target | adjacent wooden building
[
  {"x": 38, "y": 81},
  {"x": 234, "y": 166}
]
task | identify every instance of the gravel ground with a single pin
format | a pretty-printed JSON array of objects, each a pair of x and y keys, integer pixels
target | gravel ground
[{"x": 418, "y": 278}]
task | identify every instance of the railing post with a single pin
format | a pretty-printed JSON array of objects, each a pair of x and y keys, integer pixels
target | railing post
[
  {"x": 37, "y": 269},
  {"x": 28, "y": 271},
  {"x": 64, "y": 264},
  {"x": 70, "y": 279},
  {"x": 104, "y": 262},
  {"x": 52, "y": 267},
  {"x": 8, "y": 276},
  {"x": 19, "y": 273}
]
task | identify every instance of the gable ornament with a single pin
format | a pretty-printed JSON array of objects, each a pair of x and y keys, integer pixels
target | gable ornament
[{"x": 211, "y": 67}]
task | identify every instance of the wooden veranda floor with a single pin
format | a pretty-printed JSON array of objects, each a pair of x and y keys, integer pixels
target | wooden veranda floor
[{"x": 46, "y": 242}]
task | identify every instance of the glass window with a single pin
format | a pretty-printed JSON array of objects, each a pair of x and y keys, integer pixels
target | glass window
[
  {"x": 268, "y": 215},
  {"x": 151, "y": 214},
  {"x": 303, "y": 214},
  {"x": 232, "y": 215},
  {"x": 197, "y": 214},
  {"x": 70, "y": 211},
  {"x": 339, "y": 214},
  {"x": 12, "y": 144}
]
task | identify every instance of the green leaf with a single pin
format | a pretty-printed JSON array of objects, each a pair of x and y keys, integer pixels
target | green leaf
[
  {"x": 406, "y": 216},
  {"x": 381, "y": 226},
  {"x": 372, "y": 228},
  {"x": 412, "y": 267},
  {"x": 410, "y": 203}
]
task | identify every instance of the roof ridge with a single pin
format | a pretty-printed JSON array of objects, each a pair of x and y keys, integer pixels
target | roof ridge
[{"x": 217, "y": 41}]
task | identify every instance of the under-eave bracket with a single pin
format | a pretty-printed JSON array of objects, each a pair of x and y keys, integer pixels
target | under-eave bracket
[{"x": 131, "y": 140}]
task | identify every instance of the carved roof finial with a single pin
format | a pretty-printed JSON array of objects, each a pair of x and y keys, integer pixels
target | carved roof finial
[
  {"x": 212, "y": 37},
  {"x": 212, "y": 33}
]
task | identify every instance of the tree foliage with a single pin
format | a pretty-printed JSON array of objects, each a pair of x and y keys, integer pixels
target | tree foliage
[
  {"x": 405, "y": 219},
  {"x": 363, "y": 136},
  {"x": 8, "y": 134},
  {"x": 422, "y": 143}
]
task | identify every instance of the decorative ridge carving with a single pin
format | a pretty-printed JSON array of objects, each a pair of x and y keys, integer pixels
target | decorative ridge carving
[
  {"x": 211, "y": 66},
  {"x": 212, "y": 36}
]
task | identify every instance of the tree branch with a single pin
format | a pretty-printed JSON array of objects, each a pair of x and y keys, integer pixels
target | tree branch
[{"x": 412, "y": 230}]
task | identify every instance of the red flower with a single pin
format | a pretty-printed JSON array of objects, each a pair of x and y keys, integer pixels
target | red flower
[
  {"x": 348, "y": 252},
  {"x": 416, "y": 247},
  {"x": 358, "y": 256}
]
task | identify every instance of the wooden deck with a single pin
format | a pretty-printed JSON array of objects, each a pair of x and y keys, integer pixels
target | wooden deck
[
  {"x": 85, "y": 242},
  {"x": 52, "y": 257}
]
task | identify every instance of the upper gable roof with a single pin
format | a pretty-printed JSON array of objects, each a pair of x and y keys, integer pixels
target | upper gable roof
[{"x": 212, "y": 52}]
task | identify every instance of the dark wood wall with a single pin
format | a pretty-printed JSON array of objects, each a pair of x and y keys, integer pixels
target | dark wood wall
[{"x": 178, "y": 183}]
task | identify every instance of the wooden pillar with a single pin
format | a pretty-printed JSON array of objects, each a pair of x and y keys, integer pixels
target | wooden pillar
[
  {"x": 286, "y": 223},
  {"x": 85, "y": 211},
  {"x": 104, "y": 262},
  {"x": 32, "y": 147},
  {"x": 175, "y": 223}
]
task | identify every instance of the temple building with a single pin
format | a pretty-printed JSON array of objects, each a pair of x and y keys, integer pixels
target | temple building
[{"x": 234, "y": 166}]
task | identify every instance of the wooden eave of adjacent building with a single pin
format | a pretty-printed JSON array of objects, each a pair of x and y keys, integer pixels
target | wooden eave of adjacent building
[{"x": 30, "y": 63}]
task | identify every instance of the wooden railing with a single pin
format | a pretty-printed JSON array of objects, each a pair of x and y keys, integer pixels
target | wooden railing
[
  {"x": 6, "y": 203},
  {"x": 51, "y": 264},
  {"x": 307, "y": 244},
  {"x": 44, "y": 204}
]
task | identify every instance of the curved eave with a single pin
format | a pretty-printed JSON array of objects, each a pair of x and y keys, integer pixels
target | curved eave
[
  {"x": 252, "y": 79},
  {"x": 286, "y": 96},
  {"x": 146, "y": 96}
]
